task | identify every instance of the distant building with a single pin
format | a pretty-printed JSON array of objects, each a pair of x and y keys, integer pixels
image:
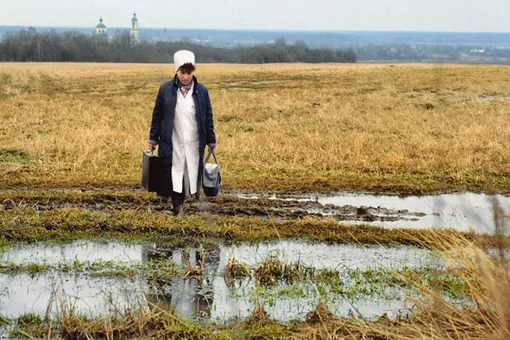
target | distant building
[
  {"x": 135, "y": 37},
  {"x": 160, "y": 36},
  {"x": 102, "y": 31},
  {"x": 101, "y": 28}
]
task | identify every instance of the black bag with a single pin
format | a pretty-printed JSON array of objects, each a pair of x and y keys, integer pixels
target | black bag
[
  {"x": 211, "y": 181},
  {"x": 152, "y": 172}
]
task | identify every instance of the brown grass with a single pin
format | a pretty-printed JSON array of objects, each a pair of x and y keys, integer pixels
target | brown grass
[
  {"x": 487, "y": 282},
  {"x": 27, "y": 224},
  {"x": 318, "y": 127},
  {"x": 236, "y": 269},
  {"x": 487, "y": 279}
]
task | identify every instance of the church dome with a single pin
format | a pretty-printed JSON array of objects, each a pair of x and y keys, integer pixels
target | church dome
[{"x": 100, "y": 25}]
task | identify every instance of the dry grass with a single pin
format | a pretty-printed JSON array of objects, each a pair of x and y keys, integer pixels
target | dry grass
[
  {"x": 26, "y": 224},
  {"x": 317, "y": 127},
  {"x": 487, "y": 281},
  {"x": 236, "y": 269},
  {"x": 484, "y": 273}
]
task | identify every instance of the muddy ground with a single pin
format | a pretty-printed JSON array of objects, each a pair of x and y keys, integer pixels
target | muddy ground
[
  {"x": 190, "y": 277},
  {"x": 285, "y": 206}
]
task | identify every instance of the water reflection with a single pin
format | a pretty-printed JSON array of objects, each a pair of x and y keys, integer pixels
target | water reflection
[
  {"x": 52, "y": 292},
  {"x": 189, "y": 296},
  {"x": 462, "y": 211},
  {"x": 80, "y": 250},
  {"x": 201, "y": 297}
]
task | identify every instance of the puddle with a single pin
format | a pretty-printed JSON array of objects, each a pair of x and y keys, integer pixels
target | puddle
[
  {"x": 263, "y": 82},
  {"x": 317, "y": 255},
  {"x": 49, "y": 292},
  {"x": 202, "y": 299},
  {"x": 260, "y": 82},
  {"x": 485, "y": 99},
  {"x": 242, "y": 86},
  {"x": 82, "y": 251},
  {"x": 462, "y": 212},
  {"x": 209, "y": 297},
  {"x": 321, "y": 255},
  {"x": 225, "y": 90},
  {"x": 242, "y": 89}
]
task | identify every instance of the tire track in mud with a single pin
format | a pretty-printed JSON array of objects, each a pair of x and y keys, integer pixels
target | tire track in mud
[{"x": 111, "y": 200}]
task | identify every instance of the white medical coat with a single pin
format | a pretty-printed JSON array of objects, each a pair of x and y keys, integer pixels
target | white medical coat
[{"x": 185, "y": 155}]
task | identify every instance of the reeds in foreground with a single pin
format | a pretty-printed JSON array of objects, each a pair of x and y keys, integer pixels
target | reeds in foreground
[{"x": 485, "y": 273}]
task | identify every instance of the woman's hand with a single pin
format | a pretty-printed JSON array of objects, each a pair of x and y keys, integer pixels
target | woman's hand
[
  {"x": 151, "y": 147},
  {"x": 213, "y": 147}
]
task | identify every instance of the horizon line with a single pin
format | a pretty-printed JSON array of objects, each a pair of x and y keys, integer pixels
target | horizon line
[{"x": 269, "y": 29}]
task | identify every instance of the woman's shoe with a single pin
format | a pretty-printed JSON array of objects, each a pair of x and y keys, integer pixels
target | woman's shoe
[{"x": 178, "y": 210}]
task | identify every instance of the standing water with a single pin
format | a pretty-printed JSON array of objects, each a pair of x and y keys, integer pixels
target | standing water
[
  {"x": 462, "y": 212},
  {"x": 211, "y": 296}
]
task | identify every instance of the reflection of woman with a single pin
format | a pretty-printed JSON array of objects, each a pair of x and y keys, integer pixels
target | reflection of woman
[
  {"x": 191, "y": 297},
  {"x": 182, "y": 124}
]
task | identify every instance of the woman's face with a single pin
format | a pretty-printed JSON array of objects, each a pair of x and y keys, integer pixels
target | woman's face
[{"x": 184, "y": 78}]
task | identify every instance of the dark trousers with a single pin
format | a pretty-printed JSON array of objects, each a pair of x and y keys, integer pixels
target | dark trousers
[{"x": 179, "y": 197}]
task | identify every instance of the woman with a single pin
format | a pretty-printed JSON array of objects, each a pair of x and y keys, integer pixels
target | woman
[{"x": 182, "y": 124}]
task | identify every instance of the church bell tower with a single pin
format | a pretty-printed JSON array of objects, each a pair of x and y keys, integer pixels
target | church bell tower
[{"x": 134, "y": 30}]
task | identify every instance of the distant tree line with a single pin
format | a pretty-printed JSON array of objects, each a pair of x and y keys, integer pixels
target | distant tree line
[
  {"x": 30, "y": 45},
  {"x": 430, "y": 52}
]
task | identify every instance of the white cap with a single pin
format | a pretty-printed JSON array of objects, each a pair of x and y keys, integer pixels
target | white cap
[{"x": 183, "y": 57}]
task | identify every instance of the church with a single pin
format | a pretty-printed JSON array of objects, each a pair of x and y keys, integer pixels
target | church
[
  {"x": 102, "y": 31},
  {"x": 134, "y": 29},
  {"x": 101, "y": 28}
]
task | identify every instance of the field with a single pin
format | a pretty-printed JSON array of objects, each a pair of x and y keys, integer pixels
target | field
[
  {"x": 302, "y": 242},
  {"x": 409, "y": 128}
]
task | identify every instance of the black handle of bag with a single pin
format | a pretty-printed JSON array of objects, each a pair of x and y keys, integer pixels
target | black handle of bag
[{"x": 211, "y": 152}]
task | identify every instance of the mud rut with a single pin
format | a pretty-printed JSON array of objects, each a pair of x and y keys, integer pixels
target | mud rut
[{"x": 278, "y": 206}]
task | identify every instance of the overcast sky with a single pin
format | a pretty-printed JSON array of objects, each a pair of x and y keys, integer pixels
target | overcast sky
[{"x": 386, "y": 15}]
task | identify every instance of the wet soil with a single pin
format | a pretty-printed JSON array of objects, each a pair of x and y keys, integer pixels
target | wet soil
[
  {"x": 195, "y": 284},
  {"x": 462, "y": 211},
  {"x": 226, "y": 205}
]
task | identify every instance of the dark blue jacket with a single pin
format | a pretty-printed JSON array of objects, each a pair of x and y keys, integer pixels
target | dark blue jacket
[{"x": 162, "y": 126}]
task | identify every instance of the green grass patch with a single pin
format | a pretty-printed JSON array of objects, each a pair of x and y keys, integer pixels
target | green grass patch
[{"x": 15, "y": 156}]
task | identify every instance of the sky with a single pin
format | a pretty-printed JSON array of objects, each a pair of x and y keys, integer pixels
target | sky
[{"x": 331, "y": 15}]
